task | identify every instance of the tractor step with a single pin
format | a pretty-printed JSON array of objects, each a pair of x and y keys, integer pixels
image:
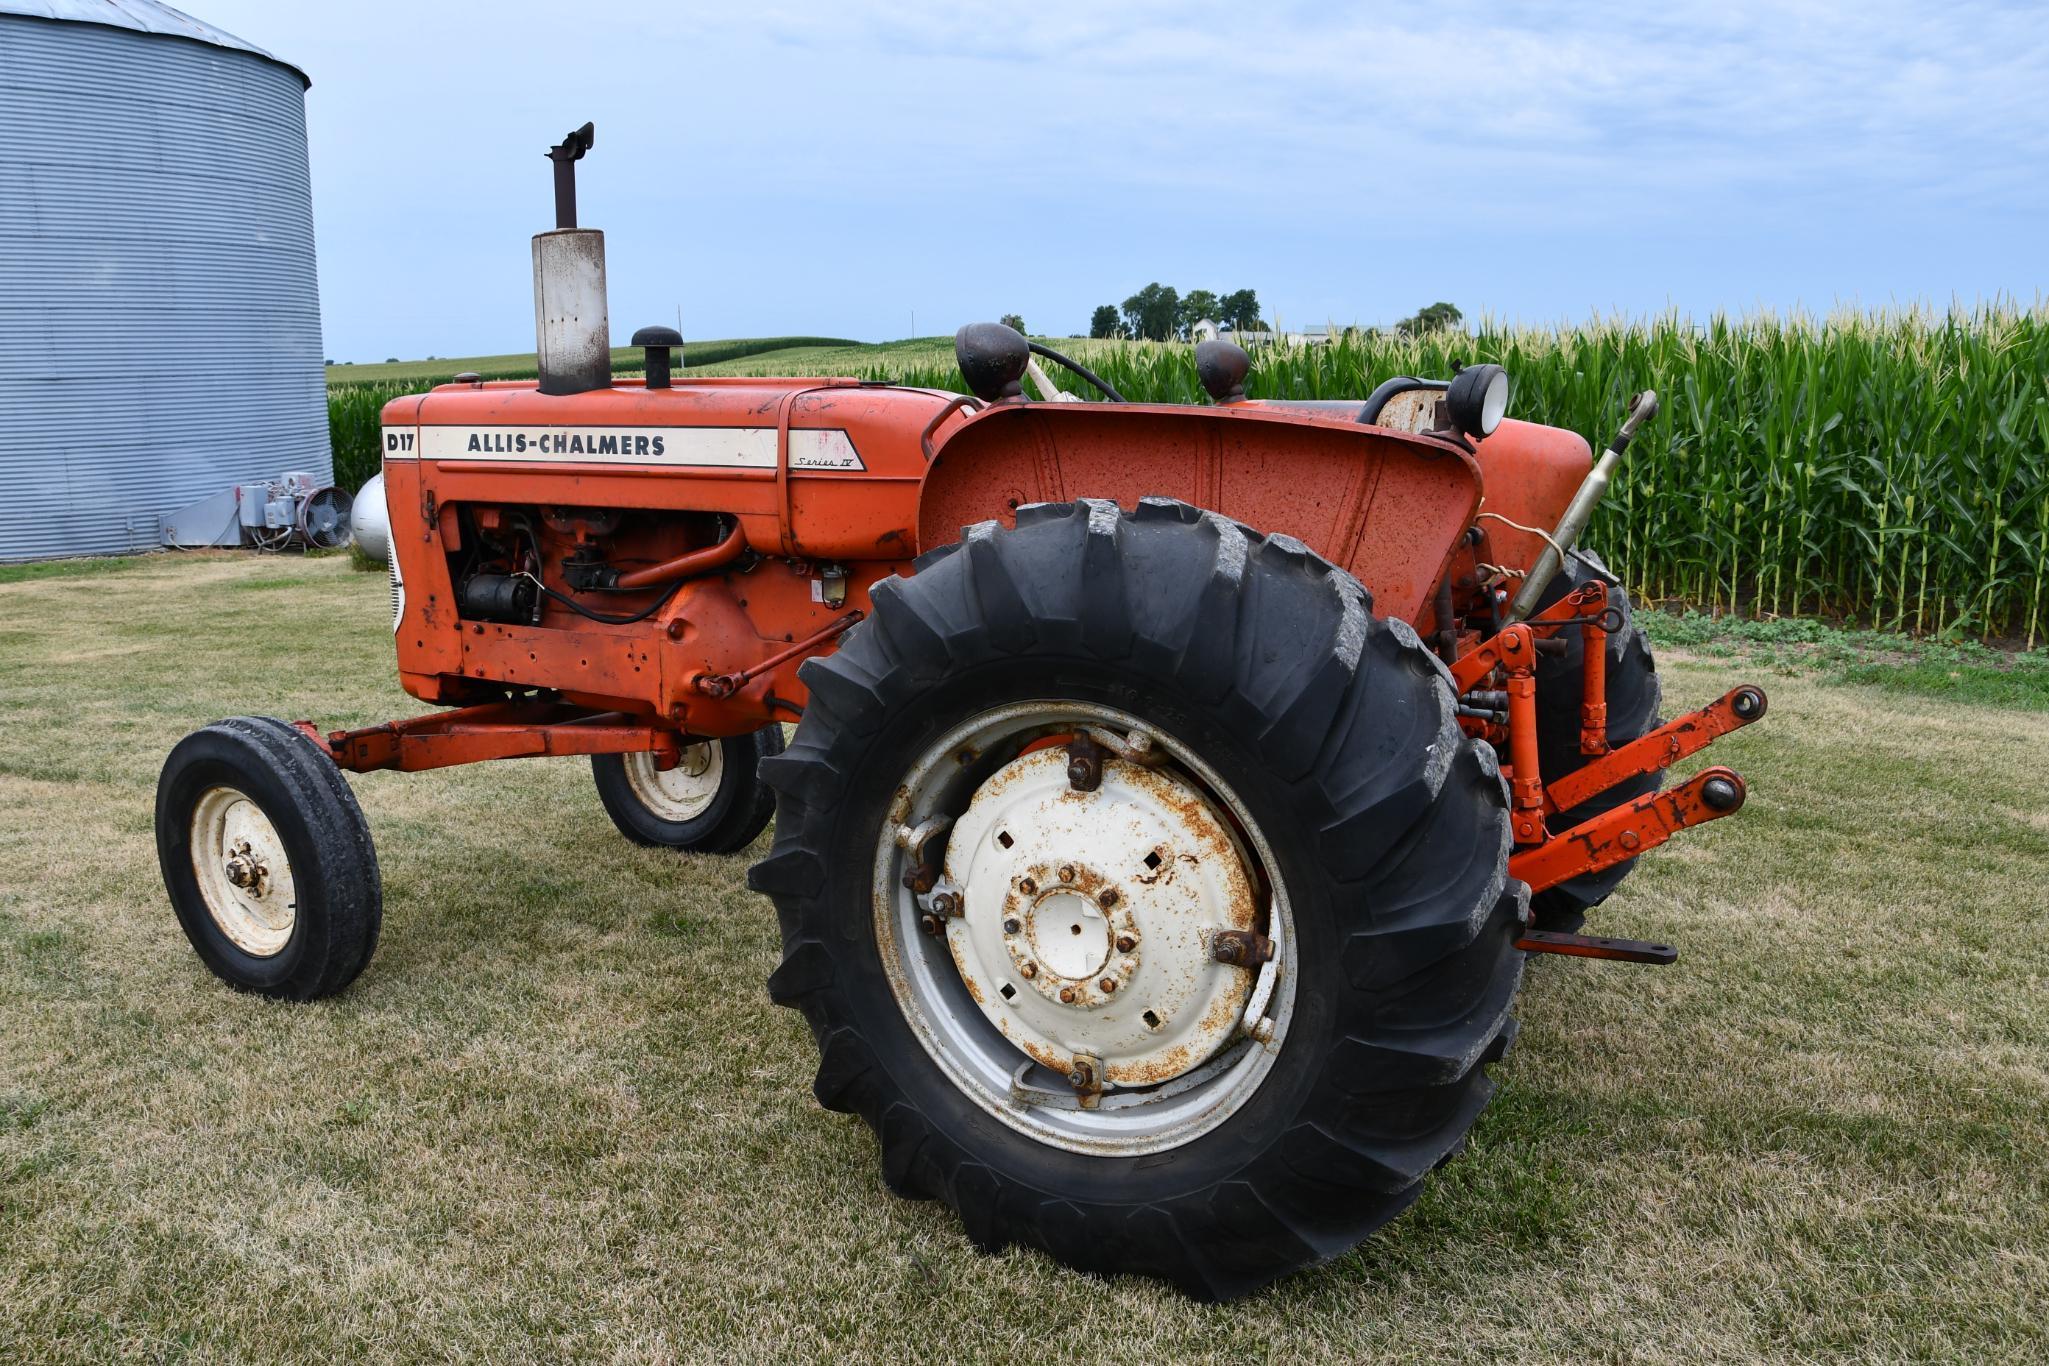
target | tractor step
[{"x": 1591, "y": 946}]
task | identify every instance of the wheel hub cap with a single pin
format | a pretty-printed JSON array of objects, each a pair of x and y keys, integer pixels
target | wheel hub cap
[
  {"x": 1088, "y": 918},
  {"x": 244, "y": 875}
]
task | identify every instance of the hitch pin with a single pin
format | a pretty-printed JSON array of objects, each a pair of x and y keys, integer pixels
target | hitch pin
[{"x": 1642, "y": 409}]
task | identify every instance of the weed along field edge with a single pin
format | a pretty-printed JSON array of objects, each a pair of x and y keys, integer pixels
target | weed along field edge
[{"x": 559, "y": 1117}]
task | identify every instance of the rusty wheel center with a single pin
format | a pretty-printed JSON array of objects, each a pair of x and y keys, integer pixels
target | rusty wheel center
[
  {"x": 242, "y": 871},
  {"x": 1065, "y": 932},
  {"x": 1081, "y": 909}
]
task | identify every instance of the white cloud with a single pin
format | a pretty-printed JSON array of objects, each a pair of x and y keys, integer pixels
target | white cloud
[{"x": 826, "y": 167}]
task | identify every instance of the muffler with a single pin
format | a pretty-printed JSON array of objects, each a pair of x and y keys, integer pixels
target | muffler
[{"x": 572, "y": 329}]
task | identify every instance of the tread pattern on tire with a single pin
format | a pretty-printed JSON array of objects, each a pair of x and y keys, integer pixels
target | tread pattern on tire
[
  {"x": 1412, "y": 860},
  {"x": 726, "y": 830},
  {"x": 1633, "y": 699},
  {"x": 340, "y": 888}
]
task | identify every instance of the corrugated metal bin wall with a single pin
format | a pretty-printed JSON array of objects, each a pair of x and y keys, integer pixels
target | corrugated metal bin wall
[{"x": 159, "y": 303}]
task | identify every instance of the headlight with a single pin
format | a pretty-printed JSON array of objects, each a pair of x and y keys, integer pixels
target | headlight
[{"x": 1477, "y": 399}]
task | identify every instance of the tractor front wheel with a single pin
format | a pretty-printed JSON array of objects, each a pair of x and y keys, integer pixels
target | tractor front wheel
[
  {"x": 711, "y": 802},
  {"x": 1143, "y": 896},
  {"x": 267, "y": 859}
]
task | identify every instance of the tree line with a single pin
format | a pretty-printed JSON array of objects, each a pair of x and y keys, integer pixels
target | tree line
[{"x": 1161, "y": 313}]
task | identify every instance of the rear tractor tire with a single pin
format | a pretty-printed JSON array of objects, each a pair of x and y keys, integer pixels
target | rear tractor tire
[
  {"x": 712, "y": 802},
  {"x": 1633, "y": 698},
  {"x": 267, "y": 859},
  {"x": 1143, "y": 896}
]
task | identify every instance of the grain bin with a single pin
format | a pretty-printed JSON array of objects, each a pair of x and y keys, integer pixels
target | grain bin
[{"x": 159, "y": 305}]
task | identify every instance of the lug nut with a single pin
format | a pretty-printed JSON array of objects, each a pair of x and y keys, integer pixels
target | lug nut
[
  {"x": 1108, "y": 984},
  {"x": 1125, "y": 943},
  {"x": 1030, "y": 970},
  {"x": 1011, "y": 926},
  {"x": 1067, "y": 996},
  {"x": 1027, "y": 886},
  {"x": 1066, "y": 872},
  {"x": 946, "y": 903},
  {"x": 1107, "y": 898}
]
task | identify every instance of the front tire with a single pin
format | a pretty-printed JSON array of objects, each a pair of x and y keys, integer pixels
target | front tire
[
  {"x": 267, "y": 859},
  {"x": 712, "y": 802},
  {"x": 1324, "y": 737}
]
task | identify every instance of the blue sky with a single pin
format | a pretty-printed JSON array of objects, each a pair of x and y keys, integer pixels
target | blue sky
[{"x": 833, "y": 169}]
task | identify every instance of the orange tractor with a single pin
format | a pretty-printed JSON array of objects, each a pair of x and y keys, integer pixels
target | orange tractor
[{"x": 1176, "y": 791}]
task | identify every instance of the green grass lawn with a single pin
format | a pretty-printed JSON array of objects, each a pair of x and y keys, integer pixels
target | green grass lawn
[{"x": 558, "y": 1117}]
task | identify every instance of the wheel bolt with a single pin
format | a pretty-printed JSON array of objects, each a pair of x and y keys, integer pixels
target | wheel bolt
[
  {"x": 1027, "y": 886},
  {"x": 1011, "y": 926},
  {"x": 931, "y": 924},
  {"x": 1107, "y": 898},
  {"x": 1108, "y": 984},
  {"x": 1067, "y": 996},
  {"x": 1066, "y": 872},
  {"x": 1030, "y": 970},
  {"x": 1125, "y": 943}
]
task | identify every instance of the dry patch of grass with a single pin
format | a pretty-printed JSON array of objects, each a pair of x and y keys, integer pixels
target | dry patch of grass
[{"x": 559, "y": 1118}]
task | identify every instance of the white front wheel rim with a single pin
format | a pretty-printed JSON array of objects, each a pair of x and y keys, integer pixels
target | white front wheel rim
[
  {"x": 682, "y": 793},
  {"x": 244, "y": 875}
]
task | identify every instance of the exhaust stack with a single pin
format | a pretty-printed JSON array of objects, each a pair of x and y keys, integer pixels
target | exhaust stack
[{"x": 572, "y": 330}]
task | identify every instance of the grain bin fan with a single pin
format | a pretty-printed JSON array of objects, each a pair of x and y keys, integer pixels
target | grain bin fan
[{"x": 294, "y": 510}]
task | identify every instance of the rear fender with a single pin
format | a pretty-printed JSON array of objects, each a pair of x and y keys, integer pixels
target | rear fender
[{"x": 1385, "y": 505}]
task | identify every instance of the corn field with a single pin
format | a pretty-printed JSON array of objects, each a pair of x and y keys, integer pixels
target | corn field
[{"x": 1890, "y": 469}]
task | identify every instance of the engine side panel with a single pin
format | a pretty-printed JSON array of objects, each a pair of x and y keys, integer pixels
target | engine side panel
[{"x": 816, "y": 473}]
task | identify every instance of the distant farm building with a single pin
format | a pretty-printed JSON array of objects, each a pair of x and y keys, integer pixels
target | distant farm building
[{"x": 1209, "y": 330}]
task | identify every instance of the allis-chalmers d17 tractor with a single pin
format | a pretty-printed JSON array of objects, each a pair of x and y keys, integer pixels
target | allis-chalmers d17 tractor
[{"x": 1176, "y": 791}]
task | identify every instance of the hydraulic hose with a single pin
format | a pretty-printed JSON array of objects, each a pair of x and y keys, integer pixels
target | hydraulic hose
[
  {"x": 1091, "y": 376},
  {"x": 606, "y": 618}
]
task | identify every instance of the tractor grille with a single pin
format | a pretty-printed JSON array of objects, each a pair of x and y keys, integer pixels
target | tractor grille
[{"x": 398, "y": 590}]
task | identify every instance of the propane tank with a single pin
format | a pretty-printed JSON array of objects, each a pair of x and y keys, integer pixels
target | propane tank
[
  {"x": 370, "y": 519},
  {"x": 572, "y": 330}
]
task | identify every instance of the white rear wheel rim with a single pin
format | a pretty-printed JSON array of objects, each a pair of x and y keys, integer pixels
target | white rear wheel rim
[
  {"x": 244, "y": 875},
  {"x": 1168, "y": 1085},
  {"x": 682, "y": 793}
]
